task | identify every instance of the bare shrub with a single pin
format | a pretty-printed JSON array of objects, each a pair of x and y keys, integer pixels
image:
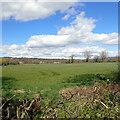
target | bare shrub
[
  {"x": 103, "y": 55},
  {"x": 100, "y": 101},
  {"x": 87, "y": 55}
]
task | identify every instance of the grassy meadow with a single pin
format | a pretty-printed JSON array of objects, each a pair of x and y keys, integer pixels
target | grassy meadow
[{"x": 48, "y": 79}]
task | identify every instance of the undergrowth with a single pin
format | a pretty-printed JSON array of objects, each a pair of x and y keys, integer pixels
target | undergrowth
[{"x": 97, "y": 101}]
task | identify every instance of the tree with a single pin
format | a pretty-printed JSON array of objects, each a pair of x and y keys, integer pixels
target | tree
[
  {"x": 4, "y": 61},
  {"x": 87, "y": 55},
  {"x": 72, "y": 58},
  {"x": 96, "y": 58},
  {"x": 103, "y": 55}
]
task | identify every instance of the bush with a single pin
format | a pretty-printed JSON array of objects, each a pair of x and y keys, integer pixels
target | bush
[
  {"x": 90, "y": 79},
  {"x": 99, "y": 101}
]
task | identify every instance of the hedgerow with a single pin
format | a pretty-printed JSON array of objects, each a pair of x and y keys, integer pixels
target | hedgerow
[{"x": 97, "y": 101}]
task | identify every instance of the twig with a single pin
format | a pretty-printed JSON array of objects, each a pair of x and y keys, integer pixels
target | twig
[
  {"x": 102, "y": 103},
  {"x": 44, "y": 106},
  {"x": 7, "y": 101},
  {"x": 30, "y": 105}
]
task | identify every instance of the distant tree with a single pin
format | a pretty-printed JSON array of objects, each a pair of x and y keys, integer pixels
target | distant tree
[
  {"x": 103, "y": 55},
  {"x": 68, "y": 61},
  {"x": 96, "y": 58},
  {"x": 87, "y": 55},
  {"x": 16, "y": 62},
  {"x": 72, "y": 58},
  {"x": 0, "y": 60},
  {"x": 4, "y": 61}
]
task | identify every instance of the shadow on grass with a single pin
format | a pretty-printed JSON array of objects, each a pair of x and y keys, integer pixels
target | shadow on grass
[
  {"x": 90, "y": 79},
  {"x": 7, "y": 78},
  {"x": 8, "y": 82}
]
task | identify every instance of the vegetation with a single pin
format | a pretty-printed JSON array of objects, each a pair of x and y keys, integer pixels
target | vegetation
[
  {"x": 86, "y": 90},
  {"x": 99, "y": 101},
  {"x": 72, "y": 58},
  {"x": 8, "y": 61},
  {"x": 87, "y": 55},
  {"x": 96, "y": 58},
  {"x": 49, "y": 77},
  {"x": 15, "y": 61},
  {"x": 103, "y": 55}
]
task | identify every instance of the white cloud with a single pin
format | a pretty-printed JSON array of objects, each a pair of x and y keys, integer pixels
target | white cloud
[
  {"x": 61, "y": 52},
  {"x": 79, "y": 32},
  {"x": 48, "y": 41},
  {"x": 66, "y": 17},
  {"x": 113, "y": 53},
  {"x": 78, "y": 51},
  {"x": 56, "y": 46},
  {"x": 69, "y": 12},
  {"x": 25, "y": 11}
]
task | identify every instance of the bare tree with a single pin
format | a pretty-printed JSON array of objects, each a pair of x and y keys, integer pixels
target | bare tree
[
  {"x": 72, "y": 58},
  {"x": 87, "y": 55},
  {"x": 96, "y": 58},
  {"x": 103, "y": 55}
]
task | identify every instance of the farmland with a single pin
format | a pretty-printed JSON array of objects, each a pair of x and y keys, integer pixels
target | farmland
[{"x": 48, "y": 79}]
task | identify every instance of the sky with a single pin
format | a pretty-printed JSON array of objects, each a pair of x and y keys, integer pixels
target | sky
[{"x": 59, "y": 29}]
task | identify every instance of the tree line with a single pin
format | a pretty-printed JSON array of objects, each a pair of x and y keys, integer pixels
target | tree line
[
  {"x": 88, "y": 54},
  {"x": 102, "y": 57}
]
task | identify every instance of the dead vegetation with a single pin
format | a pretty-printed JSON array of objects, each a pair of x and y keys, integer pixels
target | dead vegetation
[
  {"x": 19, "y": 91},
  {"x": 99, "y": 101}
]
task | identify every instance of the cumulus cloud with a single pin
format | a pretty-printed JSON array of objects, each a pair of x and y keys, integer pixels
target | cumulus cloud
[
  {"x": 24, "y": 51},
  {"x": 56, "y": 46},
  {"x": 78, "y": 51},
  {"x": 48, "y": 41},
  {"x": 69, "y": 12},
  {"x": 35, "y": 9},
  {"x": 66, "y": 17},
  {"x": 61, "y": 52},
  {"x": 79, "y": 32}
]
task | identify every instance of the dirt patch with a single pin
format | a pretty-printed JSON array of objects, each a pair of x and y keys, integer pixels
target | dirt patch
[{"x": 19, "y": 91}]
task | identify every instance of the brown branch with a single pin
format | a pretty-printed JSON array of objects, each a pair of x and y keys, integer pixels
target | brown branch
[
  {"x": 7, "y": 101},
  {"x": 44, "y": 106},
  {"x": 101, "y": 103}
]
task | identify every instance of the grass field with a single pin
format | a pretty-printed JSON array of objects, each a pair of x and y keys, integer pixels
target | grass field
[{"x": 48, "y": 78}]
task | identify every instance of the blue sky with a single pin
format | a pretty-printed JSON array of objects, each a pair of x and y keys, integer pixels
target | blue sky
[{"x": 17, "y": 31}]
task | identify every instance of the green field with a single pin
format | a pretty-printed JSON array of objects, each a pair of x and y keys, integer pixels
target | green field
[{"x": 48, "y": 78}]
